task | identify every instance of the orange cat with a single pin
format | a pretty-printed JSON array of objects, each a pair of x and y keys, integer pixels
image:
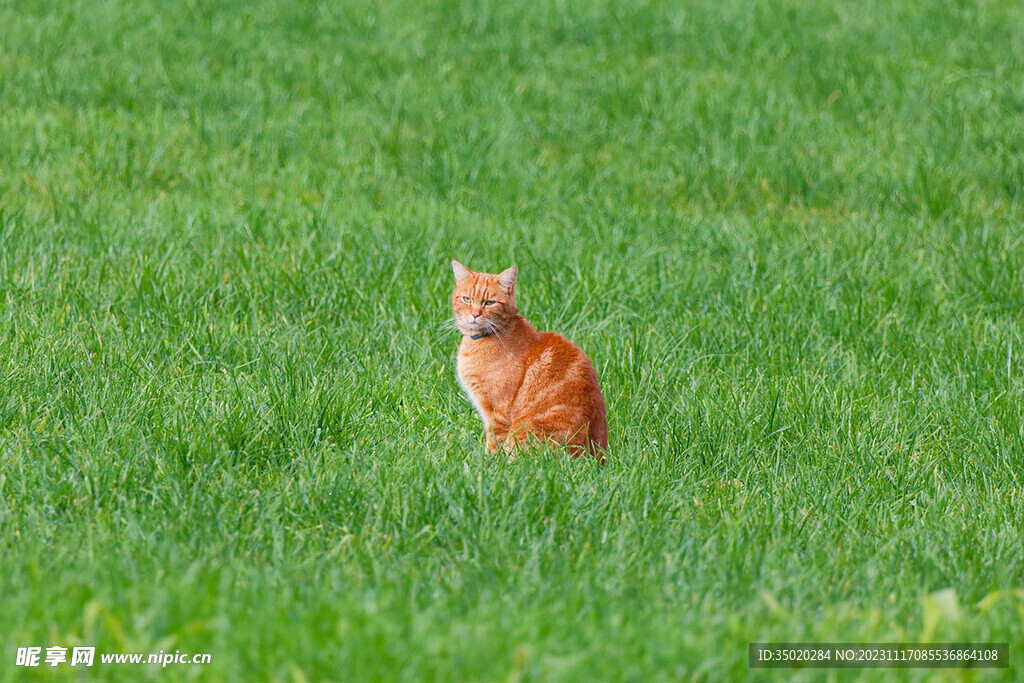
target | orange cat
[{"x": 523, "y": 382}]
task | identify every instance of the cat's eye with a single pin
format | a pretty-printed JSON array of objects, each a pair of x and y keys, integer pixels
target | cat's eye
[
  {"x": 467, "y": 299},
  {"x": 488, "y": 303}
]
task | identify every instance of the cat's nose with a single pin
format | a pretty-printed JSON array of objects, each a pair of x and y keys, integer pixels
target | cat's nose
[{"x": 476, "y": 315}]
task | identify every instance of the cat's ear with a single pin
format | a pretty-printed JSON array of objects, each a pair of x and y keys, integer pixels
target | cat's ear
[
  {"x": 462, "y": 273},
  {"x": 507, "y": 279}
]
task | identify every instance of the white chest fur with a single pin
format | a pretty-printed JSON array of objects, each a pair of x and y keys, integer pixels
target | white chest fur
[{"x": 467, "y": 386}]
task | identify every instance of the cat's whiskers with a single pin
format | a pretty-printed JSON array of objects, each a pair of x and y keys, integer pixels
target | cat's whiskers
[
  {"x": 446, "y": 325},
  {"x": 496, "y": 332},
  {"x": 456, "y": 323}
]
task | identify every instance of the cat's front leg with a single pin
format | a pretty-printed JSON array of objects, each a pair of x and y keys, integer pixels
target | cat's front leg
[{"x": 515, "y": 441}]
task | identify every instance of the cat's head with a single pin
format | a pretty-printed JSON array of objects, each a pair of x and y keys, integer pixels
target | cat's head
[{"x": 483, "y": 303}]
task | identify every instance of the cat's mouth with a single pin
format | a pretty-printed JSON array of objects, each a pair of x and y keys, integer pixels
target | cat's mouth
[{"x": 473, "y": 328}]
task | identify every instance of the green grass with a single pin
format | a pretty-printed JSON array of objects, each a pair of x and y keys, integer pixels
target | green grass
[{"x": 790, "y": 235}]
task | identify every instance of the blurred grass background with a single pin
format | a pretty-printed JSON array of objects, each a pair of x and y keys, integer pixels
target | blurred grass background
[{"x": 787, "y": 233}]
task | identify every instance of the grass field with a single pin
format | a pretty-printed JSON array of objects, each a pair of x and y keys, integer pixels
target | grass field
[{"x": 789, "y": 234}]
